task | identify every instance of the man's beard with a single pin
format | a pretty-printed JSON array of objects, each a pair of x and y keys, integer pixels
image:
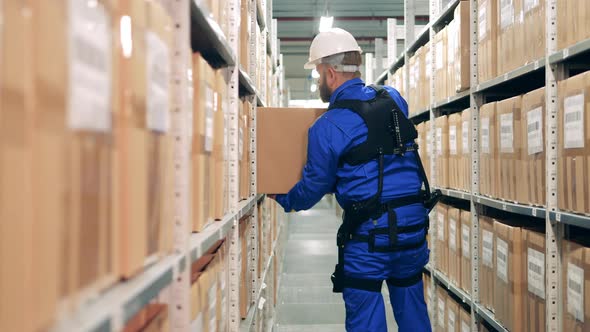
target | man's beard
[{"x": 325, "y": 92}]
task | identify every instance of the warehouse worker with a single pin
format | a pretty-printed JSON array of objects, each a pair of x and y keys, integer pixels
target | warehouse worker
[{"x": 363, "y": 150}]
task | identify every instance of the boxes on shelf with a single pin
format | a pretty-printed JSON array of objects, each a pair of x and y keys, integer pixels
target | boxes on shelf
[
  {"x": 488, "y": 136},
  {"x": 425, "y": 71},
  {"x": 465, "y": 155},
  {"x": 459, "y": 38},
  {"x": 246, "y": 258},
  {"x": 152, "y": 318},
  {"x": 466, "y": 251},
  {"x": 576, "y": 289},
  {"x": 442, "y": 259},
  {"x": 510, "y": 35},
  {"x": 465, "y": 318},
  {"x": 245, "y": 34},
  {"x": 574, "y": 144},
  {"x": 534, "y": 243},
  {"x": 222, "y": 288},
  {"x": 441, "y": 313},
  {"x": 199, "y": 291},
  {"x": 454, "y": 245},
  {"x": 572, "y": 20},
  {"x": 244, "y": 148},
  {"x": 218, "y": 162},
  {"x": 453, "y": 318},
  {"x": 442, "y": 151},
  {"x": 423, "y": 147},
  {"x": 412, "y": 97},
  {"x": 455, "y": 150},
  {"x": 487, "y": 262},
  {"x": 512, "y": 184},
  {"x": 440, "y": 67},
  {"x": 533, "y": 149},
  {"x": 509, "y": 287},
  {"x": 487, "y": 52},
  {"x": 426, "y": 279},
  {"x": 282, "y": 146},
  {"x": 534, "y": 30}
]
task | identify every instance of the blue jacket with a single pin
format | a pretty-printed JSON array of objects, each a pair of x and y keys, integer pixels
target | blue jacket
[{"x": 332, "y": 135}]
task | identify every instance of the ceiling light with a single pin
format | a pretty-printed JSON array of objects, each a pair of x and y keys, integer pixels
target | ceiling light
[
  {"x": 314, "y": 87},
  {"x": 315, "y": 74},
  {"x": 326, "y": 23}
]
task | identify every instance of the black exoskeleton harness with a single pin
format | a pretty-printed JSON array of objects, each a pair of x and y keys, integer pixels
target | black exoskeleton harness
[{"x": 390, "y": 132}]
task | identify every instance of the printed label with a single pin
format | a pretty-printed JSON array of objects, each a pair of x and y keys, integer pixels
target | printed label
[
  {"x": 452, "y": 234},
  {"x": 210, "y": 103},
  {"x": 465, "y": 327},
  {"x": 535, "y": 131},
  {"x": 465, "y": 137},
  {"x": 453, "y": 139},
  {"x": 530, "y": 5},
  {"x": 441, "y": 227},
  {"x": 574, "y": 122},
  {"x": 506, "y": 133},
  {"x": 506, "y": 13},
  {"x": 90, "y": 65},
  {"x": 158, "y": 80},
  {"x": 536, "y": 272},
  {"x": 483, "y": 23},
  {"x": 441, "y": 312},
  {"x": 465, "y": 236},
  {"x": 487, "y": 250},
  {"x": 485, "y": 135},
  {"x": 575, "y": 291},
  {"x": 502, "y": 259},
  {"x": 439, "y": 141},
  {"x": 439, "y": 55},
  {"x": 451, "y": 321}
]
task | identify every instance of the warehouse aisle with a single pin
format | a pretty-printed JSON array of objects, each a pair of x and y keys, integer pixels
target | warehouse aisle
[{"x": 306, "y": 302}]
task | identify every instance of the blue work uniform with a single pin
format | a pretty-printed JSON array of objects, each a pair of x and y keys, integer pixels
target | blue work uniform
[{"x": 331, "y": 136}]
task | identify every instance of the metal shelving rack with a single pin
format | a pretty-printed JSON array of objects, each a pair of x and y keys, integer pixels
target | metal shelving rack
[{"x": 553, "y": 66}]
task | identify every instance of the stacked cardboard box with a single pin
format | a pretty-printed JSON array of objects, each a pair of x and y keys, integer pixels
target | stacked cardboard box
[
  {"x": 412, "y": 96},
  {"x": 453, "y": 318},
  {"x": 533, "y": 151},
  {"x": 534, "y": 243},
  {"x": 574, "y": 144},
  {"x": 465, "y": 155},
  {"x": 441, "y": 314},
  {"x": 455, "y": 151},
  {"x": 465, "y": 317},
  {"x": 466, "y": 251},
  {"x": 459, "y": 34},
  {"x": 246, "y": 110},
  {"x": 199, "y": 291},
  {"x": 487, "y": 52},
  {"x": 426, "y": 280},
  {"x": 534, "y": 30},
  {"x": 510, "y": 35},
  {"x": 425, "y": 72},
  {"x": 510, "y": 139},
  {"x": 218, "y": 161},
  {"x": 442, "y": 151},
  {"x": 245, "y": 34},
  {"x": 440, "y": 67},
  {"x": 576, "y": 285},
  {"x": 572, "y": 20},
  {"x": 424, "y": 149},
  {"x": 489, "y": 169},
  {"x": 442, "y": 253},
  {"x": 487, "y": 262},
  {"x": 509, "y": 287},
  {"x": 454, "y": 245},
  {"x": 245, "y": 257}
]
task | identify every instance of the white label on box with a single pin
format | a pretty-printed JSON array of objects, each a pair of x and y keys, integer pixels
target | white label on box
[
  {"x": 506, "y": 13},
  {"x": 453, "y": 139},
  {"x": 506, "y": 133},
  {"x": 452, "y": 234},
  {"x": 90, "y": 67},
  {"x": 535, "y": 131},
  {"x": 485, "y": 135},
  {"x": 502, "y": 259},
  {"x": 439, "y": 141},
  {"x": 483, "y": 24},
  {"x": 530, "y": 5},
  {"x": 465, "y": 327},
  {"x": 441, "y": 312},
  {"x": 210, "y": 102},
  {"x": 574, "y": 122},
  {"x": 452, "y": 319},
  {"x": 439, "y": 55},
  {"x": 575, "y": 291},
  {"x": 241, "y": 143},
  {"x": 441, "y": 227},
  {"x": 536, "y": 272},
  {"x": 158, "y": 83},
  {"x": 488, "y": 248},
  {"x": 465, "y": 137},
  {"x": 465, "y": 236}
]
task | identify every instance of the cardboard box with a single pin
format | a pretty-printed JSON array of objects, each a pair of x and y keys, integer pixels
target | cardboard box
[
  {"x": 453, "y": 318},
  {"x": 455, "y": 150},
  {"x": 245, "y": 33},
  {"x": 512, "y": 185},
  {"x": 576, "y": 286},
  {"x": 244, "y": 149},
  {"x": 454, "y": 244},
  {"x": 442, "y": 230},
  {"x": 461, "y": 44},
  {"x": 222, "y": 289},
  {"x": 487, "y": 53},
  {"x": 510, "y": 35},
  {"x": 426, "y": 280},
  {"x": 219, "y": 190},
  {"x": 534, "y": 29},
  {"x": 465, "y": 318},
  {"x": 282, "y": 146},
  {"x": 487, "y": 262},
  {"x": 466, "y": 251},
  {"x": 152, "y": 318},
  {"x": 465, "y": 156},
  {"x": 574, "y": 144},
  {"x": 488, "y": 136},
  {"x": 572, "y": 21},
  {"x": 535, "y": 276},
  {"x": 440, "y": 66},
  {"x": 441, "y": 314},
  {"x": 533, "y": 151},
  {"x": 205, "y": 107},
  {"x": 509, "y": 287},
  {"x": 442, "y": 152},
  {"x": 199, "y": 305},
  {"x": 426, "y": 71},
  {"x": 423, "y": 148},
  {"x": 246, "y": 275}
]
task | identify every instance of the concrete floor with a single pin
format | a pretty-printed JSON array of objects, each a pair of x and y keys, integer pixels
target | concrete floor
[{"x": 306, "y": 302}]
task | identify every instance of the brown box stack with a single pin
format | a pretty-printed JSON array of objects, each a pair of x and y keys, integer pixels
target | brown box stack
[
  {"x": 426, "y": 279},
  {"x": 576, "y": 286},
  {"x": 572, "y": 20},
  {"x": 487, "y": 53},
  {"x": 440, "y": 66},
  {"x": 453, "y": 319},
  {"x": 245, "y": 33},
  {"x": 244, "y": 153},
  {"x": 510, "y": 35},
  {"x": 425, "y": 71},
  {"x": 465, "y": 320},
  {"x": 509, "y": 287},
  {"x": 246, "y": 276},
  {"x": 282, "y": 146},
  {"x": 487, "y": 262},
  {"x": 218, "y": 157},
  {"x": 488, "y": 136},
  {"x": 511, "y": 166},
  {"x": 574, "y": 144},
  {"x": 533, "y": 151},
  {"x": 442, "y": 151},
  {"x": 455, "y": 150},
  {"x": 465, "y": 156},
  {"x": 454, "y": 245},
  {"x": 413, "y": 99},
  {"x": 461, "y": 45},
  {"x": 442, "y": 237},
  {"x": 466, "y": 251},
  {"x": 423, "y": 149},
  {"x": 199, "y": 289},
  {"x": 534, "y": 30},
  {"x": 535, "y": 276},
  {"x": 441, "y": 314}
]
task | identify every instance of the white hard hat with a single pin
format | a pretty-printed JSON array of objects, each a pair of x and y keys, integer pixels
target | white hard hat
[{"x": 330, "y": 42}]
